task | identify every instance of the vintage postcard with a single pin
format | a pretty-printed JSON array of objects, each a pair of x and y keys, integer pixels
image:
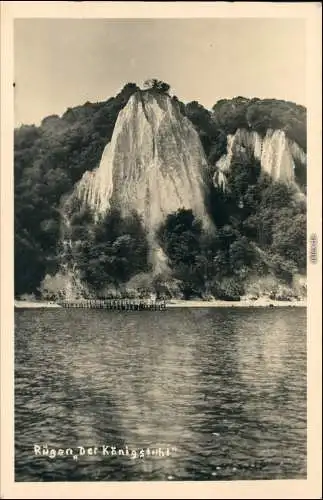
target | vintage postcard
[{"x": 161, "y": 250}]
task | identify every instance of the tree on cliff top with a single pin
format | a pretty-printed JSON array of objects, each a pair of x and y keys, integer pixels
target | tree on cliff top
[{"x": 159, "y": 85}]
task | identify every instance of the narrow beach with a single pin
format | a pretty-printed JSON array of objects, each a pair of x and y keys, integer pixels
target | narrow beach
[{"x": 262, "y": 302}]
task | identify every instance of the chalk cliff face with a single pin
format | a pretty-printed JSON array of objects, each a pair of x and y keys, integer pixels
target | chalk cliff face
[
  {"x": 276, "y": 152},
  {"x": 154, "y": 163}
]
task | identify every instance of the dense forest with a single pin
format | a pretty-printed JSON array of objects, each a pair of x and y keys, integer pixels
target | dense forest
[{"x": 259, "y": 245}]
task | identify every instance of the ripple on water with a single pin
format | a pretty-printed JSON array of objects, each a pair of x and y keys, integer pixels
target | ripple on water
[{"x": 225, "y": 387}]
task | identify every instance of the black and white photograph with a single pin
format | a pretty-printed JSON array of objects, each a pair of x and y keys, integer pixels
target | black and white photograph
[{"x": 160, "y": 248}]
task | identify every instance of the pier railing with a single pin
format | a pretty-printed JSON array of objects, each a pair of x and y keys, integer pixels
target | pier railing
[{"x": 116, "y": 304}]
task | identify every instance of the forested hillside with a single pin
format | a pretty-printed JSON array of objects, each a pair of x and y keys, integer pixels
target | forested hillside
[{"x": 259, "y": 242}]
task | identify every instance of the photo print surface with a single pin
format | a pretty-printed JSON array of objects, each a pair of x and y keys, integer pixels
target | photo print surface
[{"x": 160, "y": 269}]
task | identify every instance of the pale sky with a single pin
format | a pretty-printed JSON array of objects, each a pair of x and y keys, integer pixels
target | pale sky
[{"x": 61, "y": 63}]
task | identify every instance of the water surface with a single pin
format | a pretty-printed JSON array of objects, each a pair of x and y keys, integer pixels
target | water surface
[{"x": 223, "y": 389}]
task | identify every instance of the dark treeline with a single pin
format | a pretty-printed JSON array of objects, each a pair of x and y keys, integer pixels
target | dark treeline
[
  {"x": 260, "y": 231},
  {"x": 260, "y": 227},
  {"x": 48, "y": 161}
]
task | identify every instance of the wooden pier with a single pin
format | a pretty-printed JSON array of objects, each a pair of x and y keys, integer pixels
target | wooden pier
[{"x": 116, "y": 304}]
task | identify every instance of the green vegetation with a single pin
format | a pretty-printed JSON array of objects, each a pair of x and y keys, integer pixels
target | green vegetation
[
  {"x": 260, "y": 225},
  {"x": 48, "y": 161},
  {"x": 157, "y": 85},
  {"x": 260, "y": 231},
  {"x": 110, "y": 251}
]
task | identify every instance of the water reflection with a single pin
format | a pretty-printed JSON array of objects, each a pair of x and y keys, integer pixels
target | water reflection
[{"x": 226, "y": 387}]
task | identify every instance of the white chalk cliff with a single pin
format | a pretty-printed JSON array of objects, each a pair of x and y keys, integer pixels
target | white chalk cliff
[
  {"x": 275, "y": 151},
  {"x": 153, "y": 165}
]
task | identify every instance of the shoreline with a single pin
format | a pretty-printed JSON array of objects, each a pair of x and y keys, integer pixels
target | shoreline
[
  {"x": 178, "y": 303},
  {"x": 262, "y": 302},
  {"x": 27, "y": 304}
]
